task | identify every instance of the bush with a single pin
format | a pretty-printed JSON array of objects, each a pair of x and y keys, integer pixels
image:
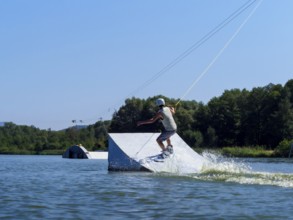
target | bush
[{"x": 283, "y": 149}]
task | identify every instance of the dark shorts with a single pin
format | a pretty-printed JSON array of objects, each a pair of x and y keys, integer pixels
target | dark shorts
[{"x": 165, "y": 135}]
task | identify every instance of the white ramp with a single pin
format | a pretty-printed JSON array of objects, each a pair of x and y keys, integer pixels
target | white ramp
[
  {"x": 131, "y": 152},
  {"x": 103, "y": 155},
  {"x": 79, "y": 152},
  {"x": 76, "y": 152}
]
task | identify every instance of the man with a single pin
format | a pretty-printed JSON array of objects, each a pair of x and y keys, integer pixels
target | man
[{"x": 166, "y": 115}]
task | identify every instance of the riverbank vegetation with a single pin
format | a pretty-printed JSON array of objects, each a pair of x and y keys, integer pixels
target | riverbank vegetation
[
  {"x": 256, "y": 123},
  {"x": 20, "y": 139}
]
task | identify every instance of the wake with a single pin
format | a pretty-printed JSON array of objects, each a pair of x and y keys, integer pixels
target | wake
[{"x": 221, "y": 169}]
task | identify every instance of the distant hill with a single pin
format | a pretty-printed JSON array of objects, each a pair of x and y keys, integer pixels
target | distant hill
[
  {"x": 77, "y": 127},
  {"x": 2, "y": 124}
]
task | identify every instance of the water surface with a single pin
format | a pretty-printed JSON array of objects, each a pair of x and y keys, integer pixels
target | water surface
[{"x": 49, "y": 187}]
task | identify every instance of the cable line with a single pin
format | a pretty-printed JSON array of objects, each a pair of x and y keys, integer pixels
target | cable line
[
  {"x": 219, "y": 53},
  {"x": 196, "y": 45},
  {"x": 193, "y": 47}
]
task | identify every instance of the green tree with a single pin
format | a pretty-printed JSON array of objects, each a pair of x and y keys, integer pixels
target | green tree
[
  {"x": 124, "y": 120},
  {"x": 211, "y": 137},
  {"x": 226, "y": 117}
]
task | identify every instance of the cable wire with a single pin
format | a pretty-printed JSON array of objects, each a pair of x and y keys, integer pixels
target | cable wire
[
  {"x": 219, "y": 53},
  {"x": 196, "y": 45}
]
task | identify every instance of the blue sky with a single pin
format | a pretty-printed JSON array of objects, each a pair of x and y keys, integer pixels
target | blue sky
[{"x": 71, "y": 59}]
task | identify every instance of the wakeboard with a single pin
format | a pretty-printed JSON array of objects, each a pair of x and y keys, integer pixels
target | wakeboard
[{"x": 156, "y": 158}]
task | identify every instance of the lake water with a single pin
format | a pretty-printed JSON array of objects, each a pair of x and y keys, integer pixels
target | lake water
[{"x": 49, "y": 187}]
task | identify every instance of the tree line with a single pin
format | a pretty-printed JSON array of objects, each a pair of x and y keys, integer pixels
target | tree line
[
  {"x": 21, "y": 139},
  {"x": 260, "y": 117}
]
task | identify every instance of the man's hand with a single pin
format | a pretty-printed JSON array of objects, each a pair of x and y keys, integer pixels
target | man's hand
[
  {"x": 139, "y": 123},
  {"x": 172, "y": 109}
]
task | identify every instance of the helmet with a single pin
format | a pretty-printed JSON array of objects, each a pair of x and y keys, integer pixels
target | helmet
[{"x": 160, "y": 102}]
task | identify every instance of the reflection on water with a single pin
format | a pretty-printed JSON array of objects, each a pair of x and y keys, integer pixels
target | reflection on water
[{"x": 49, "y": 187}]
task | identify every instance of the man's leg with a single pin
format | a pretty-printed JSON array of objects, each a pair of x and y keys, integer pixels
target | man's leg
[
  {"x": 161, "y": 144},
  {"x": 162, "y": 137},
  {"x": 169, "y": 145}
]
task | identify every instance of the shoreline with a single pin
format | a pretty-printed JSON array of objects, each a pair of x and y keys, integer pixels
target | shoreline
[{"x": 241, "y": 152}]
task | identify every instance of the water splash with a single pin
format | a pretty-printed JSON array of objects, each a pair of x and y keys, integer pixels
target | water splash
[
  {"x": 217, "y": 162},
  {"x": 219, "y": 168}
]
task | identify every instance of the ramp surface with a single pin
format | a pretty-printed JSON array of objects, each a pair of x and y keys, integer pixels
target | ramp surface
[{"x": 133, "y": 152}]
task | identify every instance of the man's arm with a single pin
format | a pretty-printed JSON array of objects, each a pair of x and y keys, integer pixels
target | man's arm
[
  {"x": 150, "y": 121},
  {"x": 172, "y": 109}
]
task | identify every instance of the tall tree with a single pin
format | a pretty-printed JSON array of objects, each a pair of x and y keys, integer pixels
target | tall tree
[{"x": 225, "y": 117}]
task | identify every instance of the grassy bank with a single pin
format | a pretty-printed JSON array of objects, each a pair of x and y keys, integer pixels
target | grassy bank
[
  {"x": 240, "y": 151},
  {"x": 26, "y": 152},
  {"x": 226, "y": 151},
  {"x": 246, "y": 152}
]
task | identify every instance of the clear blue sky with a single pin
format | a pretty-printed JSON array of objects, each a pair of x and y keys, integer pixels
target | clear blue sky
[{"x": 80, "y": 59}]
